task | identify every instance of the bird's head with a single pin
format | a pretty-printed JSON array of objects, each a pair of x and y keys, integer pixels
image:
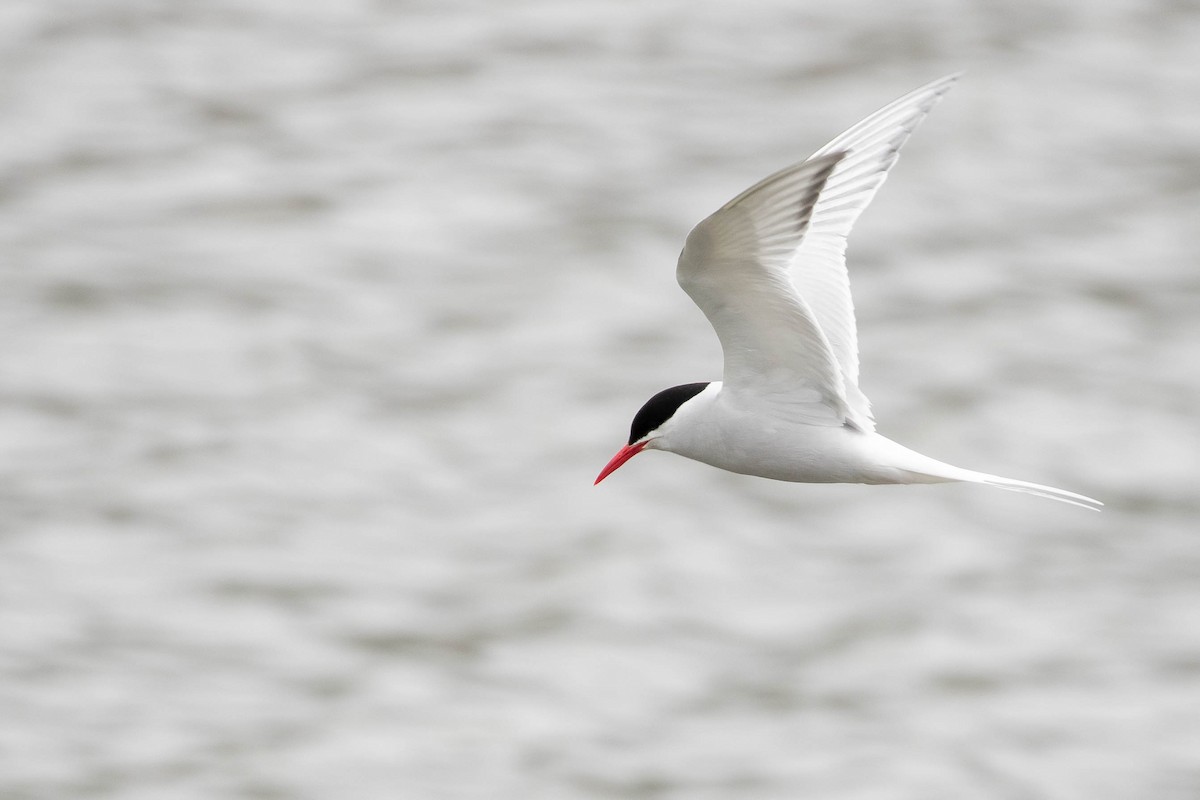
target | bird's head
[{"x": 650, "y": 422}]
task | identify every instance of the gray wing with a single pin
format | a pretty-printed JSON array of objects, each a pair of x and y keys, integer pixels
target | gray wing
[
  {"x": 735, "y": 266},
  {"x": 818, "y": 269}
]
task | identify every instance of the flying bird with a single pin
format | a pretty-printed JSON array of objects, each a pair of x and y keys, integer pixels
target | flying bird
[{"x": 768, "y": 270}]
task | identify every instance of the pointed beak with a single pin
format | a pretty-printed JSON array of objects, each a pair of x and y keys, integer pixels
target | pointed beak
[{"x": 624, "y": 454}]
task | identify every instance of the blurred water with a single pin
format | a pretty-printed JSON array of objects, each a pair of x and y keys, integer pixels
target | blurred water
[{"x": 319, "y": 320}]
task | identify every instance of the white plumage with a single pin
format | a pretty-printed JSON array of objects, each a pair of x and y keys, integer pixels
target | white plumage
[{"x": 768, "y": 270}]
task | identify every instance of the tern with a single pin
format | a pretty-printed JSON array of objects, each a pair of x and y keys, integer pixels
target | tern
[{"x": 768, "y": 270}]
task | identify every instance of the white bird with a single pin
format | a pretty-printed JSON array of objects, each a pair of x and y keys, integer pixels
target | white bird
[{"x": 768, "y": 269}]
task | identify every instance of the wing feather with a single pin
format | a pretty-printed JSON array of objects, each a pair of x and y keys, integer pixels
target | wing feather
[
  {"x": 734, "y": 265},
  {"x": 768, "y": 269},
  {"x": 818, "y": 270}
]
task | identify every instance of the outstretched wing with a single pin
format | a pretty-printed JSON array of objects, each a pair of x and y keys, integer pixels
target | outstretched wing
[
  {"x": 734, "y": 265},
  {"x": 818, "y": 269}
]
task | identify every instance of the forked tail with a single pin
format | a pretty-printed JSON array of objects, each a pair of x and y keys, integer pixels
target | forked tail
[
  {"x": 1083, "y": 501},
  {"x": 923, "y": 469}
]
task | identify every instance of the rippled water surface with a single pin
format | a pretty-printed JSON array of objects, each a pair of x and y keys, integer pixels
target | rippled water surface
[{"x": 320, "y": 318}]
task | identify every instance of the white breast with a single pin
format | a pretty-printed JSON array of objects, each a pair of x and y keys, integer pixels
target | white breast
[{"x": 736, "y": 433}]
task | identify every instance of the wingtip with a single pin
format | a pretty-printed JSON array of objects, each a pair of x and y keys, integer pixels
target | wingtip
[{"x": 935, "y": 89}]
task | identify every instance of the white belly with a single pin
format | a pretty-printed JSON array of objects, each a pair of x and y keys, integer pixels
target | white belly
[{"x": 757, "y": 442}]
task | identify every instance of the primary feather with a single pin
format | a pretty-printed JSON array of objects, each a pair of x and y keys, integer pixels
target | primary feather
[{"x": 818, "y": 267}]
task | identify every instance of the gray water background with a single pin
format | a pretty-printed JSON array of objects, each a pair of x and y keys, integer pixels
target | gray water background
[{"x": 318, "y": 320}]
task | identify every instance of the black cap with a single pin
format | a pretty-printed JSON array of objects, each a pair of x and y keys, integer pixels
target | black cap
[{"x": 662, "y": 407}]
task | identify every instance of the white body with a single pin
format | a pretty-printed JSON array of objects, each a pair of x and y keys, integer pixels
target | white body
[
  {"x": 719, "y": 428},
  {"x": 768, "y": 269}
]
